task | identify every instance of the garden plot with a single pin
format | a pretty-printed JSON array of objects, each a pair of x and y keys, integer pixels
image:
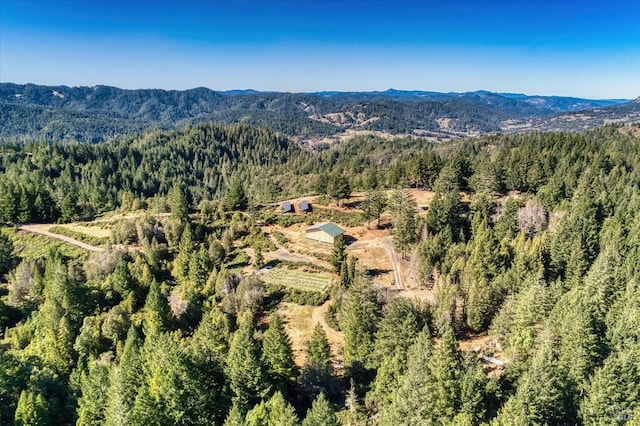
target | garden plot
[{"x": 300, "y": 280}]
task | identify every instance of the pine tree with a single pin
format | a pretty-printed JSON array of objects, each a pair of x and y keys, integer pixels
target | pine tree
[
  {"x": 338, "y": 187},
  {"x": 613, "y": 394},
  {"x": 316, "y": 375},
  {"x": 210, "y": 341},
  {"x": 179, "y": 201},
  {"x": 338, "y": 255},
  {"x": 156, "y": 311},
  {"x": 277, "y": 355},
  {"x": 174, "y": 387},
  {"x": 122, "y": 281},
  {"x": 318, "y": 348},
  {"x": 373, "y": 205},
  {"x": 409, "y": 403},
  {"x": 10, "y": 378},
  {"x": 321, "y": 413},
  {"x": 244, "y": 369},
  {"x": 359, "y": 320},
  {"x": 234, "y": 417},
  {"x": 236, "y": 197},
  {"x": 126, "y": 378},
  {"x": 540, "y": 397},
  {"x": 406, "y": 221},
  {"x": 396, "y": 333},
  {"x": 94, "y": 385},
  {"x": 6, "y": 253},
  {"x": 32, "y": 409},
  {"x": 444, "y": 385},
  {"x": 181, "y": 262},
  {"x": 280, "y": 411}
]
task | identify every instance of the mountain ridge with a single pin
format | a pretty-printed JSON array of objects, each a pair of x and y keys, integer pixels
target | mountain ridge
[{"x": 98, "y": 113}]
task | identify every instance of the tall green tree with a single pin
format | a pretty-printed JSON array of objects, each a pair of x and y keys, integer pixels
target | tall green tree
[
  {"x": 338, "y": 254},
  {"x": 540, "y": 397},
  {"x": 236, "y": 198},
  {"x": 32, "y": 409},
  {"x": 277, "y": 355},
  {"x": 359, "y": 318},
  {"x": 321, "y": 413},
  {"x": 6, "y": 253},
  {"x": 126, "y": 378},
  {"x": 408, "y": 403},
  {"x": 94, "y": 386},
  {"x": 275, "y": 411},
  {"x": 317, "y": 374},
  {"x": 179, "y": 201},
  {"x": 338, "y": 187},
  {"x": 156, "y": 311},
  {"x": 244, "y": 368},
  {"x": 318, "y": 348},
  {"x": 373, "y": 206},
  {"x": 613, "y": 395},
  {"x": 405, "y": 227}
]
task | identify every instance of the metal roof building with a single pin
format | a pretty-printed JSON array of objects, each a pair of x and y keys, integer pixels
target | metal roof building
[{"x": 324, "y": 232}]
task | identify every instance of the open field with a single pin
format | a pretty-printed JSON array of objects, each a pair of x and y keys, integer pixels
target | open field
[
  {"x": 297, "y": 279},
  {"x": 90, "y": 231},
  {"x": 299, "y": 321},
  {"x": 299, "y": 325}
]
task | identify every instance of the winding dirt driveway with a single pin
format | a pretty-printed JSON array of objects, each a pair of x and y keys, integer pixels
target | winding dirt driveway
[
  {"x": 44, "y": 230},
  {"x": 387, "y": 243}
]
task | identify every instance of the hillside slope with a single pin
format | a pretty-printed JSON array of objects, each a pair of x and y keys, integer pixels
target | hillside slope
[{"x": 99, "y": 113}]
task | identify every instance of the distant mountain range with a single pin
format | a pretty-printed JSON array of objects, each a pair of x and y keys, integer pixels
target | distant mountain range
[{"x": 95, "y": 114}]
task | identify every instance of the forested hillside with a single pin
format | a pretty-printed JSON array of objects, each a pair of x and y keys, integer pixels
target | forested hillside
[
  {"x": 530, "y": 240},
  {"x": 99, "y": 113}
]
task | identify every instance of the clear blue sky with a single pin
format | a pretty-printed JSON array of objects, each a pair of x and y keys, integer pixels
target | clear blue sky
[{"x": 583, "y": 48}]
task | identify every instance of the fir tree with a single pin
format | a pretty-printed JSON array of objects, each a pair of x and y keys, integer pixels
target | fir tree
[
  {"x": 126, "y": 378},
  {"x": 277, "y": 355},
  {"x": 6, "y": 253},
  {"x": 32, "y": 409},
  {"x": 321, "y": 413},
  {"x": 244, "y": 369},
  {"x": 94, "y": 385},
  {"x": 318, "y": 348},
  {"x": 359, "y": 320},
  {"x": 236, "y": 198},
  {"x": 338, "y": 255},
  {"x": 156, "y": 311}
]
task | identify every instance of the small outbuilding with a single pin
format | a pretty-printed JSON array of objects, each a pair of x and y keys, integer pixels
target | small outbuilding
[
  {"x": 305, "y": 206},
  {"x": 325, "y": 232},
  {"x": 287, "y": 207}
]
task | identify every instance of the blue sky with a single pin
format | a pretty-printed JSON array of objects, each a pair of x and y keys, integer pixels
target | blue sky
[{"x": 584, "y": 48}]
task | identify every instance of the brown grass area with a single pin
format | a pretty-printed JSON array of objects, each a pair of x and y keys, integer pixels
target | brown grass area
[
  {"x": 299, "y": 321},
  {"x": 299, "y": 325}
]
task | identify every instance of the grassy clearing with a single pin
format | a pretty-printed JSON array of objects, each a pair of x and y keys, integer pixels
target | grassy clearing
[
  {"x": 71, "y": 231},
  {"x": 299, "y": 325},
  {"x": 32, "y": 246},
  {"x": 297, "y": 279},
  {"x": 91, "y": 231}
]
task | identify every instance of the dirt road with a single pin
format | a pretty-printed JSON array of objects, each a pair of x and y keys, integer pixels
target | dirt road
[
  {"x": 387, "y": 243},
  {"x": 336, "y": 339},
  {"x": 282, "y": 253},
  {"x": 44, "y": 230}
]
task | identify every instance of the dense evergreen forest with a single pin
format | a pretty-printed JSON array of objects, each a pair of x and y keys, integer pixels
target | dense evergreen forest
[{"x": 533, "y": 239}]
